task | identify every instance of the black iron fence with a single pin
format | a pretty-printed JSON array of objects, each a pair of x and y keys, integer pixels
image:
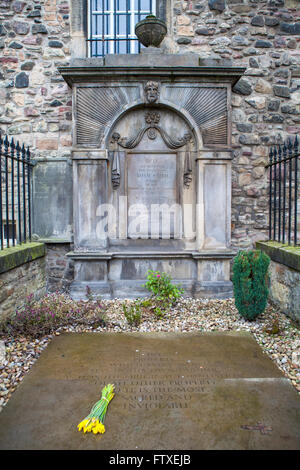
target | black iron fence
[
  {"x": 15, "y": 193},
  {"x": 284, "y": 192}
]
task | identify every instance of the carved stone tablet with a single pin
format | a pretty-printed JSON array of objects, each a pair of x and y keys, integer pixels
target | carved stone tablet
[{"x": 151, "y": 183}]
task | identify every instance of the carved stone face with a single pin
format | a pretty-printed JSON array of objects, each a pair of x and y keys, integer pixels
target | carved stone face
[{"x": 151, "y": 91}]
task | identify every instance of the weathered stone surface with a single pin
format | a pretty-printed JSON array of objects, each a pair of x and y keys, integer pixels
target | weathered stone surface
[
  {"x": 262, "y": 86},
  {"x": 184, "y": 41},
  {"x": 22, "y": 80},
  {"x": 271, "y": 21},
  {"x": 218, "y": 5},
  {"x": 281, "y": 90},
  {"x": 52, "y": 183},
  {"x": 18, "y": 283},
  {"x": 258, "y": 102},
  {"x": 34, "y": 14},
  {"x": 56, "y": 44},
  {"x": 39, "y": 29},
  {"x": 18, "y": 6},
  {"x": 176, "y": 382},
  {"x": 20, "y": 27},
  {"x": 274, "y": 118},
  {"x": 244, "y": 127},
  {"x": 258, "y": 20},
  {"x": 27, "y": 65},
  {"x": 260, "y": 43},
  {"x": 2, "y": 352},
  {"x": 289, "y": 28},
  {"x": 273, "y": 105},
  {"x": 243, "y": 87},
  {"x": 15, "y": 45}
]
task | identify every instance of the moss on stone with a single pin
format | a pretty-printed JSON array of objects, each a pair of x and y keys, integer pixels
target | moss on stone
[
  {"x": 282, "y": 253},
  {"x": 15, "y": 256}
]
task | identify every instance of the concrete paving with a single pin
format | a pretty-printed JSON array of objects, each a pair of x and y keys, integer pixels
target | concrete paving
[{"x": 173, "y": 391}]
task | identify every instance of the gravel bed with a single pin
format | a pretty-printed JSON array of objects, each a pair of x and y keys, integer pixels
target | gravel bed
[{"x": 188, "y": 315}]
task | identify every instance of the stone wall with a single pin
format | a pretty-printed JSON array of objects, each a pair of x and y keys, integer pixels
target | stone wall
[
  {"x": 35, "y": 104},
  {"x": 22, "y": 272},
  {"x": 59, "y": 268},
  {"x": 284, "y": 276},
  {"x": 264, "y": 36},
  {"x": 285, "y": 289}
]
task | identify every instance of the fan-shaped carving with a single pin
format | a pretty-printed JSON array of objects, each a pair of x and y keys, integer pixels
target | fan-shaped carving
[
  {"x": 207, "y": 106},
  {"x": 97, "y": 107}
]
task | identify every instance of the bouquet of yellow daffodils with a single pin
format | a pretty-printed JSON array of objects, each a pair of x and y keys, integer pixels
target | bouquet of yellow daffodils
[{"x": 94, "y": 422}]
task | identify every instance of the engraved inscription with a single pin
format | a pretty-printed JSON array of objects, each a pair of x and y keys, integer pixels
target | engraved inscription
[
  {"x": 152, "y": 196},
  {"x": 154, "y": 381}
]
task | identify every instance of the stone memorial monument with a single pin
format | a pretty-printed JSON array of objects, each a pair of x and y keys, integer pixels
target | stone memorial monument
[{"x": 151, "y": 172}]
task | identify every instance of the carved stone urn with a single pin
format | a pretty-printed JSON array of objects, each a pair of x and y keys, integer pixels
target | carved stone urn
[{"x": 151, "y": 31}]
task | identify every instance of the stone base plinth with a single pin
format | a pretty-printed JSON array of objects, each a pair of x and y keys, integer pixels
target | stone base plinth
[{"x": 123, "y": 275}]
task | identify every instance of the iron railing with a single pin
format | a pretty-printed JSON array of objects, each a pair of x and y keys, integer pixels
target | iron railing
[
  {"x": 111, "y": 25},
  {"x": 284, "y": 192},
  {"x": 15, "y": 193}
]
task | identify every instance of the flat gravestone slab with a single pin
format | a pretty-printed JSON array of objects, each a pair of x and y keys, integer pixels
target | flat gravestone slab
[{"x": 173, "y": 391}]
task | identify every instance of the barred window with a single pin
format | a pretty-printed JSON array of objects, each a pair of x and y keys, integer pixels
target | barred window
[{"x": 111, "y": 25}]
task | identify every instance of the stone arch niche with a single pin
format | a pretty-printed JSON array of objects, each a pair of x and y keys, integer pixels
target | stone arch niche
[
  {"x": 151, "y": 174},
  {"x": 153, "y": 159}
]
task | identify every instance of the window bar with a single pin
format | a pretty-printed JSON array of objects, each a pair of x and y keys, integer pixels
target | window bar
[
  {"x": 270, "y": 192},
  {"x": 24, "y": 191},
  {"x": 139, "y": 19},
  {"x": 94, "y": 44},
  {"x": 284, "y": 153},
  {"x": 18, "y": 150},
  {"x": 12, "y": 152},
  {"x": 91, "y": 27},
  {"x": 127, "y": 27},
  {"x": 115, "y": 26},
  {"x": 1, "y": 216},
  {"x": 6, "y": 155},
  {"x": 295, "y": 189},
  {"x": 29, "y": 191},
  {"x": 290, "y": 150},
  {"x": 103, "y": 30},
  {"x": 279, "y": 194},
  {"x": 274, "y": 193}
]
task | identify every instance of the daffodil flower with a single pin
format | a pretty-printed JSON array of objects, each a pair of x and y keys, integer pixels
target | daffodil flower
[{"x": 94, "y": 422}]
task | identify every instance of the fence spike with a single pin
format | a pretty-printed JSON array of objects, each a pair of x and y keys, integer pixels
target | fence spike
[
  {"x": 279, "y": 152},
  {"x": 12, "y": 146},
  {"x": 296, "y": 144},
  {"x": 290, "y": 146},
  {"x": 271, "y": 155},
  {"x": 6, "y": 144},
  {"x": 284, "y": 150}
]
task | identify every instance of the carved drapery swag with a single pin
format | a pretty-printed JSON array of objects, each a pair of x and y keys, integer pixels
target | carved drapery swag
[
  {"x": 115, "y": 168},
  {"x": 152, "y": 119},
  {"x": 187, "y": 173}
]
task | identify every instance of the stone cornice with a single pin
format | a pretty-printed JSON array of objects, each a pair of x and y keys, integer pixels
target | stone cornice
[{"x": 91, "y": 74}]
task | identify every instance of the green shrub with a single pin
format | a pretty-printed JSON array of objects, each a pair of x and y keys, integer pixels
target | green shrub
[
  {"x": 250, "y": 282},
  {"x": 132, "y": 313},
  {"x": 161, "y": 286},
  {"x": 163, "y": 291}
]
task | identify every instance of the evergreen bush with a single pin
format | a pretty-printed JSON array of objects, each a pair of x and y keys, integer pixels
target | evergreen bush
[{"x": 250, "y": 282}]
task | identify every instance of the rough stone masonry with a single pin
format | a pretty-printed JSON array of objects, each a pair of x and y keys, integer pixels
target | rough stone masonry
[{"x": 35, "y": 102}]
